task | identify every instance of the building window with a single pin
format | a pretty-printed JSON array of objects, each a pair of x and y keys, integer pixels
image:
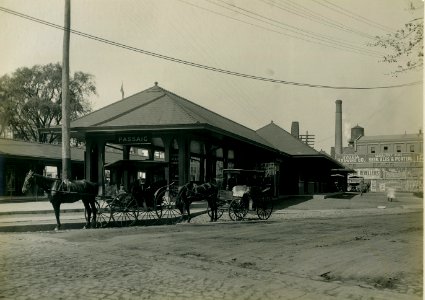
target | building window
[
  {"x": 398, "y": 148},
  {"x": 159, "y": 155},
  {"x": 385, "y": 148},
  {"x": 372, "y": 149},
  {"x": 412, "y": 148}
]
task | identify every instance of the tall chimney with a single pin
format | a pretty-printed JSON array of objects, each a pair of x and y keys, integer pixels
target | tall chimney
[
  {"x": 338, "y": 127},
  {"x": 295, "y": 129}
]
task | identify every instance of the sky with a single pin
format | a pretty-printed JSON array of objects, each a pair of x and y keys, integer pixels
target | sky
[{"x": 316, "y": 42}]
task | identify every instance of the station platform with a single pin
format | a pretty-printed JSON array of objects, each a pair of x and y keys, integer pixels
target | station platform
[{"x": 22, "y": 216}]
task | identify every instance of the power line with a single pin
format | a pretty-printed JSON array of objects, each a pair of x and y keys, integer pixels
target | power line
[
  {"x": 278, "y": 32},
  {"x": 297, "y": 31},
  {"x": 300, "y": 10},
  {"x": 192, "y": 64},
  {"x": 354, "y": 16}
]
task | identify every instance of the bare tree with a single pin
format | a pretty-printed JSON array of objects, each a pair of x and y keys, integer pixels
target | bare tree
[{"x": 405, "y": 46}]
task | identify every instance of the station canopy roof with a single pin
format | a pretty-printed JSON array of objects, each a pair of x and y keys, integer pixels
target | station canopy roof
[
  {"x": 24, "y": 149},
  {"x": 284, "y": 141},
  {"x": 157, "y": 108},
  {"x": 287, "y": 143},
  {"x": 126, "y": 164}
]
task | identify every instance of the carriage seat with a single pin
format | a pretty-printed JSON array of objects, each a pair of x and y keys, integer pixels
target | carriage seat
[{"x": 240, "y": 190}]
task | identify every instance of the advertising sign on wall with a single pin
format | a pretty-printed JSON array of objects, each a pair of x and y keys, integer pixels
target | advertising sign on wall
[
  {"x": 369, "y": 173},
  {"x": 379, "y": 157}
]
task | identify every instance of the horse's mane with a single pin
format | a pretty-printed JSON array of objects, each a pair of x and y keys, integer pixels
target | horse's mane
[
  {"x": 78, "y": 186},
  {"x": 44, "y": 182}
]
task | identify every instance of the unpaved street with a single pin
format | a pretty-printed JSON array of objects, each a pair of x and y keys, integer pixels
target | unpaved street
[{"x": 297, "y": 254}]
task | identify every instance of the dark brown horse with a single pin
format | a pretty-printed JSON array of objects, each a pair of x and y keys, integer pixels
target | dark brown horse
[
  {"x": 192, "y": 192},
  {"x": 61, "y": 191}
]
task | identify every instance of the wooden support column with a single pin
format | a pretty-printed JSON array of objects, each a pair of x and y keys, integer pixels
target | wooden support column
[
  {"x": 124, "y": 178},
  {"x": 202, "y": 176},
  {"x": 225, "y": 157},
  {"x": 209, "y": 163},
  {"x": 167, "y": 156},
  {"x": 100, "y": 167},
  {"x": 88, "y": 163},
  {"x": 125, "y": 152},
  {"x": 184, "y": 162},
  {"x": 151, "y": 152}
]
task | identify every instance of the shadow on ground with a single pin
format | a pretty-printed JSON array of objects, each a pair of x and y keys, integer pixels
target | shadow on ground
[
  {"x": 291, "y": 201},
  {"x": 346, "y": 195},
  {"x": 287, "y": 202}
]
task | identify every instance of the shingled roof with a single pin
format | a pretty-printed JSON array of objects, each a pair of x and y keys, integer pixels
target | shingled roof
[
  {"x": 15, "y": 148},
  {"x": 159, "y": 107},
  {"x": 391, "y": 137},
  {"x": 284, "y": 141},
  {"x": 36, "y": 150}
]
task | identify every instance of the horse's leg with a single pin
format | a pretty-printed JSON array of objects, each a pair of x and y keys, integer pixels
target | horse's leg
[
  {"x": 215, "y": 200},
  {"x": 94, "y": 210},
  {"x": 88, "y": 209},
  {"x": 188, "y": 212},
  {"x": 56, "y": 208},
  {"x": 213, "y": 207}
]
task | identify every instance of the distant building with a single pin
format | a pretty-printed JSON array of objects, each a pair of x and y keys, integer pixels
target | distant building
[
  {"x": 18, "y": 157},
  {"x": 385, "y": 161}
]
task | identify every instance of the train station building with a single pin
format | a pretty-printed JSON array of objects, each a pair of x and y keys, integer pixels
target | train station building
[{"x": 163, "y": 136}]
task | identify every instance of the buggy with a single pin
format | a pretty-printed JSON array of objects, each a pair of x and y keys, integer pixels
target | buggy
[{"x": 242, "y": 192}]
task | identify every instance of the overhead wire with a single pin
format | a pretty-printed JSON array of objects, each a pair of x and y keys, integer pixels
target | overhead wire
[
  {"x": 197, "y": 65},
  {"x": 279, "y": 32},
  {"x": 354, "y": 16},
  {"x": 302, "y": 11},
  {"x": 225, "y": 88},
  {"x": 298, "y": 31}
]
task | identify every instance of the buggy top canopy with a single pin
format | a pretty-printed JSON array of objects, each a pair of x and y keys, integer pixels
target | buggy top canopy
[{"x": 128, "y": 164}]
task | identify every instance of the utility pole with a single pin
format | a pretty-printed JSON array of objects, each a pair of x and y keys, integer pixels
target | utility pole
[
  {"x": 66, "y": 148},
  {"x": 307, "y": 138}
]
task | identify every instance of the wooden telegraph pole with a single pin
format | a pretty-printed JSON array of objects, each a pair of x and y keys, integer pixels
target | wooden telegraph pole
[{"x": 66, "y": 148}]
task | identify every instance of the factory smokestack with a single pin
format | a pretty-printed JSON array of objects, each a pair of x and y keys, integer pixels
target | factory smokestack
[
  {"x": 295, "y": 129},
  {"x": 338, "y": 127}
]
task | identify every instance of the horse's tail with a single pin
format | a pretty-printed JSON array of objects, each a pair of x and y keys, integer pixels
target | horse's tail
[{"x": 181, "y": 198}]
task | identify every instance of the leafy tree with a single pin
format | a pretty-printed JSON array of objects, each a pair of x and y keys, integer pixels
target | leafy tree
[
  {"x": 31, "y": 99},
  {"x": 405, "y": 45}
]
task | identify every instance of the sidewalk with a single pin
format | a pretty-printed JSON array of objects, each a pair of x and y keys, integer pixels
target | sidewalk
[
  {"x": 34, "y": 216},
  {"x": 37, "y": 207},
  {"x": 39, "y": 216}
]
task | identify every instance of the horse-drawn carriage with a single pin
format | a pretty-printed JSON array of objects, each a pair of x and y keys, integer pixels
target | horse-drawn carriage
[
  {"x": 242, "y": 192},
  {"x": 148, "y": 199}
]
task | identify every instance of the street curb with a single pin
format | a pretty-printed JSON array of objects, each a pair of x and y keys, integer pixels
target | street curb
[
  {"x": 50, "y": 225},
  {"x": 45, "y": 211}
]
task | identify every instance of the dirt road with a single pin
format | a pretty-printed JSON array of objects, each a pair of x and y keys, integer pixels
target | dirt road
[{"x": 300, "y": 253}]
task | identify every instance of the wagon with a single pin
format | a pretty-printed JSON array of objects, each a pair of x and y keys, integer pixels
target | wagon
[
  {"x": 139, "y": 202},
  {"x": 127, "y": 208},
  {"x": 242, "y": 192},
  {"x": 357, "y": 184}
]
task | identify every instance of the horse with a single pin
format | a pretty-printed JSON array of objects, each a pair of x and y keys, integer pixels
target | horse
[
  {"x": 191, "y": 192},
  {"x": 65, "y": 191}
]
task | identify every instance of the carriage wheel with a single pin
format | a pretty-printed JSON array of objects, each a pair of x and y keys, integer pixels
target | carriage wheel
[
  {"x": 237, "y": 211},
  {"x": 219, "y": 211},
  {"x": 102, "y": 215},
  {"x": 124, "y": 210},
  {"x": 165, "y": 206},
  {"x": 147, "y": 214},
  {"x": 264, "y": 207}
]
